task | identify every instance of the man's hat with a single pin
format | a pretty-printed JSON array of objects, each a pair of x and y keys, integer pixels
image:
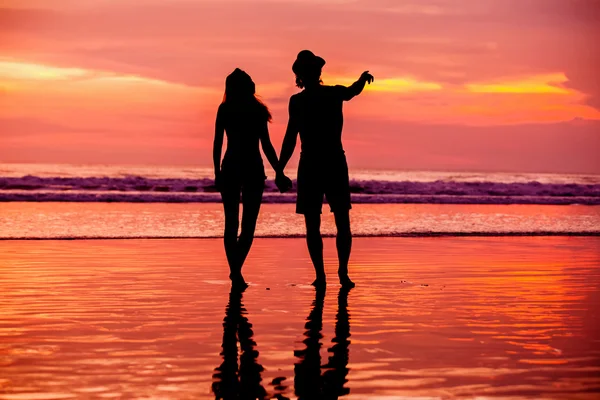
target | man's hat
[{"x": 307, "y": 61}]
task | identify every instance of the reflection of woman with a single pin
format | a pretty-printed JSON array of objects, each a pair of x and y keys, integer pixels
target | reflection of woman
[
  {"x": 308, "y": 381},
  {"x": 231, "y": 382},
  {"x": 243, "y": 381},
  {"x": 243, "y": 117}
]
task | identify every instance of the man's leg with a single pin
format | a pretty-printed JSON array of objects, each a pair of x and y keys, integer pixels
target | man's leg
[
  {"x": 314, "y": 242},
  {"x": 343, "y": 243}
]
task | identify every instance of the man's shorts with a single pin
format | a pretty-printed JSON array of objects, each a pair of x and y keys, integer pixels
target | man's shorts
[{"x": 318, "y": 178}]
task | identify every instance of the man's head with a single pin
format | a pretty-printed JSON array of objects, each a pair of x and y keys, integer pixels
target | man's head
[{"x": 307, "y": 68}]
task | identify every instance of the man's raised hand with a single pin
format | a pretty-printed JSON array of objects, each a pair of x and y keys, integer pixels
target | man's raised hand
[{"x": 367, "y": 77}]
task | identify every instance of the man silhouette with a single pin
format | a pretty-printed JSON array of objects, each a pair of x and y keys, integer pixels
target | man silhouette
[{"x": 316, "y": 114}]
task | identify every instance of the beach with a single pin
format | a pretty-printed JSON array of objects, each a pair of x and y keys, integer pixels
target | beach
[
  {"x": 457, "y": 142},
  {"x": 430, "y": 318},
  {"x": 114, "y": 284}
]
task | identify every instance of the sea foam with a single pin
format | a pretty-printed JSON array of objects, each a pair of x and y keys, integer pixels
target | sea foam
[{"x": 177, "y": 190}]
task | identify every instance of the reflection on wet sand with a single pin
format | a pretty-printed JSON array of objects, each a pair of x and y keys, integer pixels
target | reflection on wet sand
[
  {"x": 230, "y": 381},
  {"x": 435, "y": 318},
  {"x": 311, "y": 381}
]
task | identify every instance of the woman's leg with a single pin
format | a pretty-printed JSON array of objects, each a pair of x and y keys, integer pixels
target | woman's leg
[
  {"x": 231, "y": 207},
  {"x": 251, "y": 199}
]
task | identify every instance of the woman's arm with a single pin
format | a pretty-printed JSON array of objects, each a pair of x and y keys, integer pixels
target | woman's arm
[
  {"x": 268, "y": 148},
  {"x": 218, "y": 145}
]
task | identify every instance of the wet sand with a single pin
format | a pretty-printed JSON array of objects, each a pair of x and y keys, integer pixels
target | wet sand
[
  {"x": 164, "y": 220},
  {"x": 512, "y": 317}
]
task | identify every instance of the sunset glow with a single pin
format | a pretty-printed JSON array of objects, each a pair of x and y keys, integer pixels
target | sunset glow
[
  {"x": 393, "y": 85},
  {"x": 16, "y": 71},
  {"x": 545, "y": 84},
  {"x": 76, "y": 89}
]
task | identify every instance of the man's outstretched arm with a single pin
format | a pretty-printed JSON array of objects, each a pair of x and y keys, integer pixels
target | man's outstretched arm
[{"x": 357, "y": 87}]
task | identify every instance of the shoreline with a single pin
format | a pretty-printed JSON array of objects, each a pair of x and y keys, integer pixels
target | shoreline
[
  {"x": 268, "y": 198},
  {"x": 174, "y": 221},
  {"x": 416, "y": 235}
]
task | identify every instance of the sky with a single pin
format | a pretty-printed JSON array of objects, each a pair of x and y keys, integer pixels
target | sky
[{"x": 460, "y": 85}]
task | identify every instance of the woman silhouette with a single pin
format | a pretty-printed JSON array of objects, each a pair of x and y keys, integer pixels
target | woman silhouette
[{"x": 243, "y": 117}]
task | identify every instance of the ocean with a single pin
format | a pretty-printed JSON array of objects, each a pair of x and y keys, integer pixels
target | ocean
[{"x": 58, "y": 201}]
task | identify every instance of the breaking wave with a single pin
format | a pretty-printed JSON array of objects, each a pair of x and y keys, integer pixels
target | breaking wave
[{"x": 176, "y": 190}]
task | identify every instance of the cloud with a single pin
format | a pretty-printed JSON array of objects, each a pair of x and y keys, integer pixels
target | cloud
[
  {"x": 397, "y": 144},
  {"x": 568, "y": 147},
  {"x": 196, "y": 42},
  {"x": 27, "y": 127},
  {"x": 389, "y": 84},
  {"x": 546, "y": 84},
  {"x": 28, "y": 71},
  {"x": 440, "y": 65},
  {"x": 585, "y": 77}
]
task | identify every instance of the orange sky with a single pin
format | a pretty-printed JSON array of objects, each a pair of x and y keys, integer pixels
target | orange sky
[{"x": 499, "y": 85}]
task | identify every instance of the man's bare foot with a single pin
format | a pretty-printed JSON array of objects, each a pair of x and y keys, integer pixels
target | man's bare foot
[
  {"x": 320, "y": 282},
  {"x": 237, "y": 281},
  {"x": 346, "y": 282}
]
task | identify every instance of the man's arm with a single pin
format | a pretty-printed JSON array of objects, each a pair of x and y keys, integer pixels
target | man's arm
[
  {"x": 287, "y": 150},
  {"x": 289, "y": 140},
  {"x": 357, "y": 87}
]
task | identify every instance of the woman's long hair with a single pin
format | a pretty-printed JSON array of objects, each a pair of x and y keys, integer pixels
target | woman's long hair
[{"x": 240, "y": 94}]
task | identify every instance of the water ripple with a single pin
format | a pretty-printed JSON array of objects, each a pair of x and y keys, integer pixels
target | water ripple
[{"x": 431, "y": 318}]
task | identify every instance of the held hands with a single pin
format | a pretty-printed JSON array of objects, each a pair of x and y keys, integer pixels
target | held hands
[
  {"x": 283, "y": 183},
  {"x": 367, "y": 77}
]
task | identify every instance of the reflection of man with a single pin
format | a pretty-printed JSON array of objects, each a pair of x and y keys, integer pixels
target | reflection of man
[
  {"x": 308, "y": 381},
  {"x": 316, "y": 113},
  {"x": 243, "y": 381}
]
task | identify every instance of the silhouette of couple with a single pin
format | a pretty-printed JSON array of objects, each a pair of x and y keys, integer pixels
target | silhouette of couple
[
  {"x": 315, "y": 114},
  {"x": 312, "y": 381}
]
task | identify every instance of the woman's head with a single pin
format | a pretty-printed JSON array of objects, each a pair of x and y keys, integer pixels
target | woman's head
[
  {"x": 307, "y": 68},
  {"x": 240, "y": 92},
  {"x": 239, "y": 85}
]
